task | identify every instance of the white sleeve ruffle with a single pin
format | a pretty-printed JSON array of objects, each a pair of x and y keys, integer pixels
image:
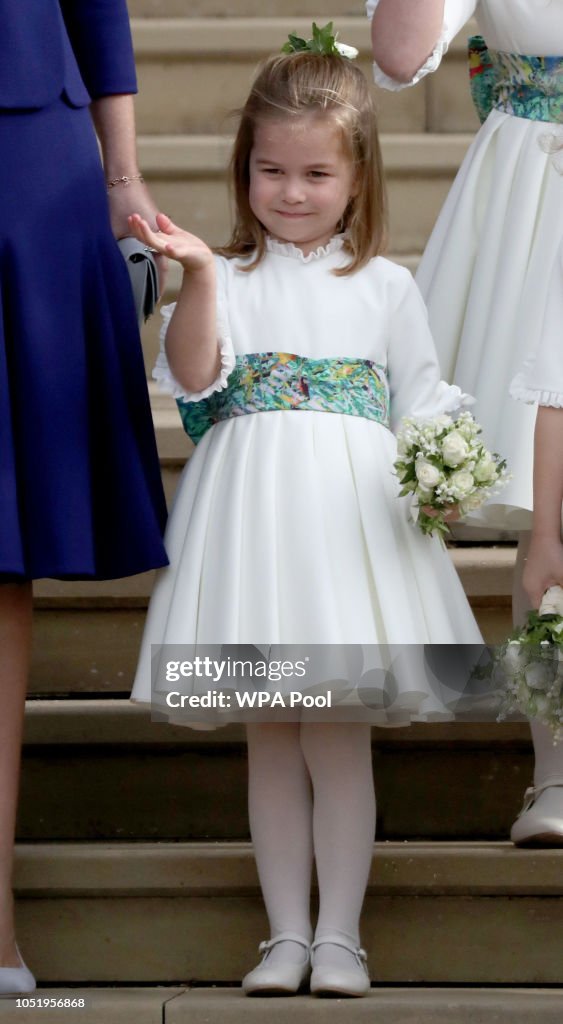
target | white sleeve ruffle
[
  {"x": 450, "y": 28},
  {"x": 164, "y": 376}
]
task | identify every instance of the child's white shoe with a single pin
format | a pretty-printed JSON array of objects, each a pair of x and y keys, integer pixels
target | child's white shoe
[
  {"x": 278, "y": 979},
  {"x": 338, "y": 980},
  {"x": 16, "y": 980},
  {"x": 540, "y": 822}
]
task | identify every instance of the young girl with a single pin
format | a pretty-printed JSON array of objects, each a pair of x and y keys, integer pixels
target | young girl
[
  {"x": 541, "y": 381},
  {"x": 485, "y": 271},
  {"x": 289, "y": 346}
]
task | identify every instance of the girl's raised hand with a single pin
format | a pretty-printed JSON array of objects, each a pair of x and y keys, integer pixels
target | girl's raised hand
[{"x": 172, "y": 241}]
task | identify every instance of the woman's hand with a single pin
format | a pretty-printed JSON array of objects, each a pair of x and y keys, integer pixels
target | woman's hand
[
  {"x": 135, "y": 198},
  {"x": 170, "y": 240},
  {"x": 543, "y": 568}
]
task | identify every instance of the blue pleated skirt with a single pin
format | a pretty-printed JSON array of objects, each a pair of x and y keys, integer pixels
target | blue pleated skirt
[{"x": 80, "y": 488}]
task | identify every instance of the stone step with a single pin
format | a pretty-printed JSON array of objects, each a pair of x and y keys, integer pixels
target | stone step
[
  {"x": 455, "y": 913},
  {"x": 485, "y": 572},
  {"x": 79, "y": 1005},
  {"x": 435, "y": 781},
  {"x": 200, "y": 1005},
  {"x": 334, "y": 9},
  {"x": 193, "y": 72}
]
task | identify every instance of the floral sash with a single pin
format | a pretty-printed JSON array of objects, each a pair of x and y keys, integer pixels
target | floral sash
[
  {"x": 276, "y": 381},
  {"x": 530, "y": 87}
]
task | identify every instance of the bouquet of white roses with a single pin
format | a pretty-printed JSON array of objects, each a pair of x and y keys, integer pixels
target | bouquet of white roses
[
  {"x": 531, "y": 662},
  {"x": 443, "y": 463}
]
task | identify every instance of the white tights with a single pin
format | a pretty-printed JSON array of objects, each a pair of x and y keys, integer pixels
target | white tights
[{"x": 311, "y": 793}]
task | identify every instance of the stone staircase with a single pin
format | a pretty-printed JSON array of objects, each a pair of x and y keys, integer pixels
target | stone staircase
[{"x": 135, "y": 881}]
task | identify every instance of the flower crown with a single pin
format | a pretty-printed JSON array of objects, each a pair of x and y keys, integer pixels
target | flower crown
[{"x": 323, "y": 42}]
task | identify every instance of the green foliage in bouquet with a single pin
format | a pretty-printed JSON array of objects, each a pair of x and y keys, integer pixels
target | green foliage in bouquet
[
  {"x": 529, "y": 668},
  {"x": 443, "y": 463}
]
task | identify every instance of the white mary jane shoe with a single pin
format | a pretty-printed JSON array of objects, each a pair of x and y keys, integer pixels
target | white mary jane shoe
[
  {"x": 340, "y": 981},
  {"x": 16, "y": 980},
  {"x": 278, "y": 979},
  {"x": 540, "y": 822}
]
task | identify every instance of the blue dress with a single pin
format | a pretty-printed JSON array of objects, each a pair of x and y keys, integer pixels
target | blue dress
[{"x": 80, "y": 488}]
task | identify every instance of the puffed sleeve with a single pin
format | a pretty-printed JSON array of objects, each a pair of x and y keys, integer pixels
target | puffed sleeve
[
  {"x": 100, "y": 36},
  {"x": 541, "y": 377},
  {"x": 456, "y": 13},
  {"x": 162, "y": 372},
  {"x": 412, "y": 364}
]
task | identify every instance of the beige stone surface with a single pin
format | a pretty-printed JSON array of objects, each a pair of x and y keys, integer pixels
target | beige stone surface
[
  {"x": 448, "y": 912},
  {"x": 101, "y": 1006},
  {"x": 381, "y": 1006},
  {"x": 127, "y": 778},
  {"x": 321, "y": 12}
]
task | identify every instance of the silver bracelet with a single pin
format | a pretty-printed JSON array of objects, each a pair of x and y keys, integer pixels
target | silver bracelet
[{"x": 125, "y": 179}]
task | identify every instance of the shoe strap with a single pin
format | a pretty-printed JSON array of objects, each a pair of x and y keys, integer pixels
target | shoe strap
[
  {"x": 533, "y": 792},
  {"x": 339, "y": 940},
  {"x": 269, "y": 944}
]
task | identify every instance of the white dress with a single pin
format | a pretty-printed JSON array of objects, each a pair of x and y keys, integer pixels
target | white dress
[
  {"x": 485, "y": 271},
  {"x": 541, "y": 377},
  {"x": 287, "y": 527}
]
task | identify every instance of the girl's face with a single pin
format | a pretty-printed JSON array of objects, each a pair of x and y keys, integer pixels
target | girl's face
[{"x": 301, "y": 179}]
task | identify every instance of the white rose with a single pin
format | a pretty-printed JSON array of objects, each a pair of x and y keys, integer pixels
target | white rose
[
  {"x": 454, "y": 449},
  {"x": 552, "y": 602},
  {"x": 347, "y": 51},
  {"x": 427, "y": 475},
  {"x": 461, "y": 483},
  {"x": 485, "y": 471}
]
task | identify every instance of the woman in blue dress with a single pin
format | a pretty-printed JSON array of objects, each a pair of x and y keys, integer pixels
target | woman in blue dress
[{"x": 80, "y": 489}]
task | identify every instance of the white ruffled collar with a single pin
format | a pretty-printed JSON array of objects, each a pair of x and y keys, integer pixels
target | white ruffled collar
[{"x": 335, "y": 244}]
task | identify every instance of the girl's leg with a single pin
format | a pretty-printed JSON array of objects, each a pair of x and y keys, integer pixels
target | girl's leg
[
  {"x": 280, "y": 812},
  {"x": 338, "y": 757},
  {"x": 15, "y": 643},
  {"x": 546, "y": 815}
]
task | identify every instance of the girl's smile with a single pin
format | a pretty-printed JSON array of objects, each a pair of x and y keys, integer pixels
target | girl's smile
[{"x": 301, "y": 179}]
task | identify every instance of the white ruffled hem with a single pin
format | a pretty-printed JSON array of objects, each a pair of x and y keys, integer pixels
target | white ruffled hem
[
  {"x": 431, "y": 64},
  {"x": 164, "y": 376},
  {"x": 522, "y": 392}
]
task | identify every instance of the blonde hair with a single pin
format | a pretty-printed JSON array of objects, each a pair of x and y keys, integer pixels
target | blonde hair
[{"x": 295, "y": 84}]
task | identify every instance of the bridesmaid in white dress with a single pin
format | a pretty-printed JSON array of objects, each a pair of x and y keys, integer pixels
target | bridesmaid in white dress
[
  {"x": 485, "y": 272},
  {"x": 541, "y": 381}
]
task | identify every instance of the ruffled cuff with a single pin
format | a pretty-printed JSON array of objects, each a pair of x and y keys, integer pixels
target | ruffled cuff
[
  {"x": 164, "y": 376},
  {"x": 431, "y": 64},
  {"x": 521, "y": 391},
  {"x": 447, "y": 398}
]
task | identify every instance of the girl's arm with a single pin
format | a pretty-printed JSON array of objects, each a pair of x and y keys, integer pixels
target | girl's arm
[
  {"x": 192, "y": 348},
  {"x": 544, "y": 564},
  {"x": 410, "y": 37}
]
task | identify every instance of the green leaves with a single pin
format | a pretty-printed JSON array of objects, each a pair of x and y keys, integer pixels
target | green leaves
[{"x": 323, "y": 41}]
